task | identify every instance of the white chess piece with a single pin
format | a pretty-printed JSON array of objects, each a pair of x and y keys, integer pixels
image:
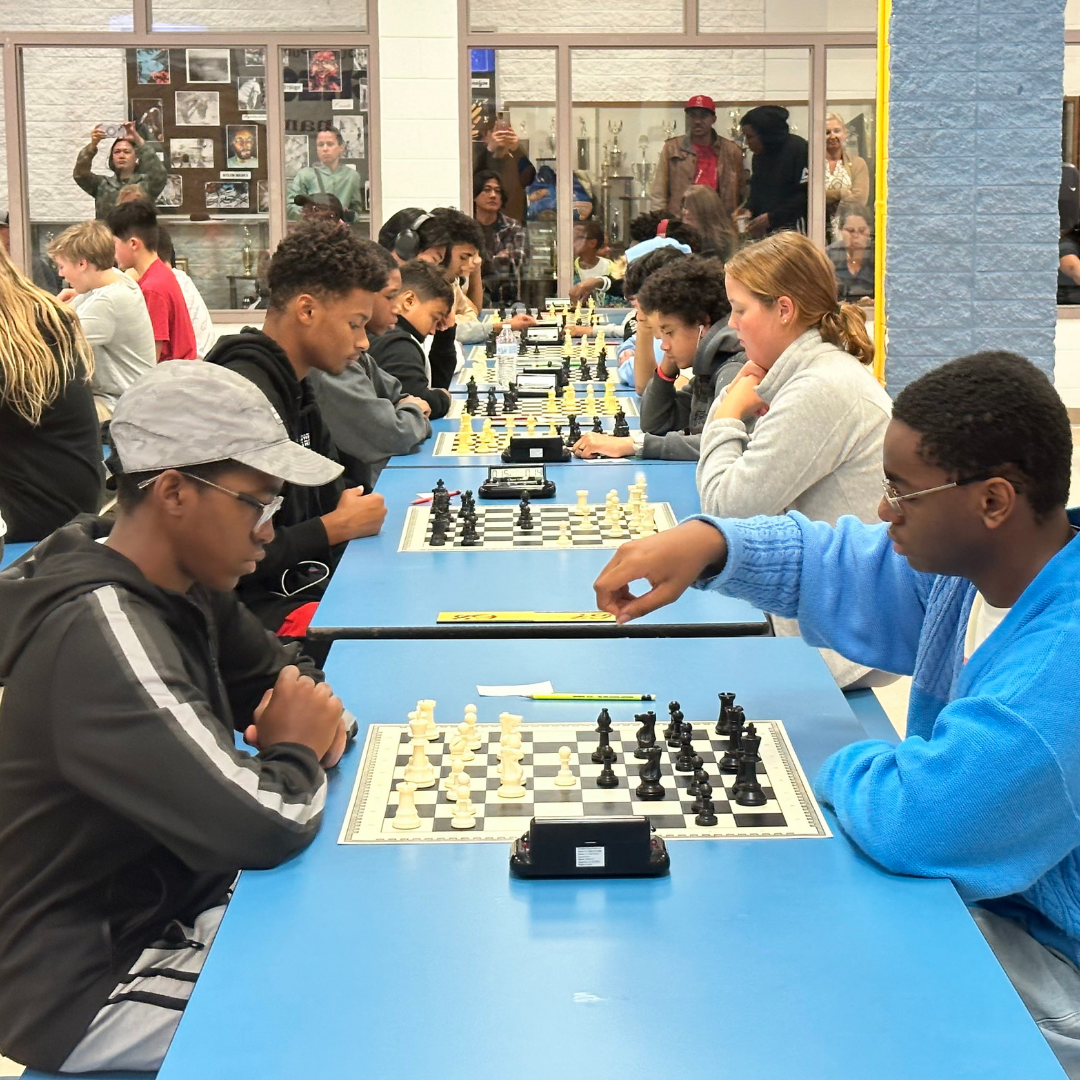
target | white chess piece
[
  {"x": 565, "y": 778},
  {"x": 530, "y": 424},
  {"x": 419, "y": 771},
  {"x": 563, "y": 539},
  {"x": 428, "y": 711},
  {"x": 582, "y": 503},
  {"x": 452, "y": 781},
  {"x": 417, "y": 726},
  {"x": 464, "y": 812},
  {"x": 512, "y": 775},
  {"x": 462, "y": 740},
  {"x": 406, "y": 816},
  {"x": 472, "y": 733}
]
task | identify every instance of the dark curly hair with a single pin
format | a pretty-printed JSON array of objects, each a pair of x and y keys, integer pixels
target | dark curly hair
[
  {"x": 690, "y": 288},
  {"x": 643, "y": 227},
  {"x": 323, "y": 259},
  {"x": 992, "y": 409},
  {"x": 458, "y": 228},
  {"x": 685, "y": 234},
  {"x": 646, "y": 266}
]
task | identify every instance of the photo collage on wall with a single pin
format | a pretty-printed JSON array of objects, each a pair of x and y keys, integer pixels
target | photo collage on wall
[
  {"x": 324, "y": 89},
  {"x": 204, "y": 111}
]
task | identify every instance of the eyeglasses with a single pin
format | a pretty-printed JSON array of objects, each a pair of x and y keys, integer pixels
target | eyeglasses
[
  {"x": 894, "y": 500},
  {"x": 266, "y": 509}
]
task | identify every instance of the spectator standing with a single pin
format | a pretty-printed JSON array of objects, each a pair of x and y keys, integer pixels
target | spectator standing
[
  {"x": 504, "y": 241},
  {"x": 199, "y": 314},
  {"x": 328, "y": 177},
  {"x": 852, "y": 254},
  {"x": 502, "y": 153},
  {"x": 779, "y": 173},
  {"x": 131, "y": 161},
  {"x": 847, "y": 176},
  {"x": 110, "y": 309}
]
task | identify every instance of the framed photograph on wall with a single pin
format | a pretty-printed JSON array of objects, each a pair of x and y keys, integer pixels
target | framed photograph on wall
[
  {"x": 297, "y": 154},
  {"x": 152, "y": 66},
  {"x": 197, "y": 108},
  {"x": 352, "y": 133},
  {"x": 191, "y": 153},
  {"x": 172, "y": 195},
  {"x": 241, "y": 146},
  {"x": 324, "y": 71},
  {"x": 251, "y": 93},
  {"x": 149, "y": 117},
  {"x": 209, "y": 66},
  {"x": 255, "y": 58},
  {"x": 227, "y": 195}
]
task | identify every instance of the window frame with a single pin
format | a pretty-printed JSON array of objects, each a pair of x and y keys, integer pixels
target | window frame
[{"x": 142, "y": 35}]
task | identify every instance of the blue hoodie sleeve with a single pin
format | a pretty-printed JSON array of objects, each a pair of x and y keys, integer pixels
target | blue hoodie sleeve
[
  {"x": 986, "y": 800},
  {"x": 847, "y": 587}
]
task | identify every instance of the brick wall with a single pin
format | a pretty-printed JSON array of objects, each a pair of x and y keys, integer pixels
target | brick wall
[
  {"x": 575, "y": 17},
  {"x": 260, "y": 15},
  {"x": 974, "y": 168}
]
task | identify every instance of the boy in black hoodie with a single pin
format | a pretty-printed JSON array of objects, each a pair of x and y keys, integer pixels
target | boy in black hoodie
[
  {"x": 322, "y": 288},
  {"x": 126, "y": 810},
  {"x": 423, "y": 305}
]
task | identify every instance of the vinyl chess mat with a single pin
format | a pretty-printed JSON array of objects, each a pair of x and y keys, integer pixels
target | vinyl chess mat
[
  {"x": 791, "y": 810},
  {"x": 483, "y": 370},
  {"x": 541, "y": 409},
  {"x": 459, "y": 444},
  {"x": 496, "y": 529}
]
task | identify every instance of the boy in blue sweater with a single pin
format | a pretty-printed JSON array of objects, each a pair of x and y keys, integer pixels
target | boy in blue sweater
[{"x": 972, "y": 586}]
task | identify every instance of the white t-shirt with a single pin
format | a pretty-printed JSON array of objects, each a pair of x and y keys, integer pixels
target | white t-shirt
[
  {"x": 983, "y": 620},
  {"x": 198, "y": 313},
  {"x": 117, "y": 325}
]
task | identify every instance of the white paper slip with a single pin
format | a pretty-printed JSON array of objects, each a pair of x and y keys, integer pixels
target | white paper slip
[{"x": 524, "y": 690}]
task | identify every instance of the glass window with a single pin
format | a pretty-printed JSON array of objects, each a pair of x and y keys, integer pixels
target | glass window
[
  {"x": 513, "y": 145},
  {"x": 200, "y": 154},
  {"x": 778, "y": 16},
  {"x": 636, "y": 141},
  {"x": 247, "y": 15},
  {"x": 63, "y": 16},
  {"x": 572, "y": 17},
  {"x": 327, "y": 138},
  {"x": 1068, "y": 283},
  {"x": 850, "y": 133}
]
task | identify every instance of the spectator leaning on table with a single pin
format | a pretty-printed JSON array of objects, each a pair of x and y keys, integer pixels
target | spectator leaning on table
[
  {"x": 110, "y": 308},
  {"x": 369, "y": 415},
  {"x": 131, "y": 161},
  {"x": 126, "y": 810}
]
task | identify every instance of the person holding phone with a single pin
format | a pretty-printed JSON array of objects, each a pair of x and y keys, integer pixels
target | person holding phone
[{"x": 131, "y": 161}]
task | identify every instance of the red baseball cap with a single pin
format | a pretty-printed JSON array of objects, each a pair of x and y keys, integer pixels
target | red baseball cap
[{"x": 701, "y": 101}]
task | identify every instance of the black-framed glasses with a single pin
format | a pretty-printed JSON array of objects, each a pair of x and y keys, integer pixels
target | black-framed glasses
[
  {"x": 266, "y": 509},
  {"x": 894, "y": 500}
]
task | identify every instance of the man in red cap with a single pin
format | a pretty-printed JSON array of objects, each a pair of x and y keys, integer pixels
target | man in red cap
[{"x": 701, "y": 156}]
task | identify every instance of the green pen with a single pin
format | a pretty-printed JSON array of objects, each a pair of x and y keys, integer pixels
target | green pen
[{"x": 593, "y": 697}]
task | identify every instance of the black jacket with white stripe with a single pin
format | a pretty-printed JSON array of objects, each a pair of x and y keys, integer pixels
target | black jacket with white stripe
[{"x": 124, "y": 804}]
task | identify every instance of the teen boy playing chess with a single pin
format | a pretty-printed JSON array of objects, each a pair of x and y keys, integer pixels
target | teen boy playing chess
[
  {"x": 972, "y": 586},
  {"x": 125, "y": 809}
]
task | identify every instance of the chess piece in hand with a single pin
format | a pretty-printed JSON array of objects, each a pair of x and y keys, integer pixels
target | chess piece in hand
[{"x": 671, "y": 561}]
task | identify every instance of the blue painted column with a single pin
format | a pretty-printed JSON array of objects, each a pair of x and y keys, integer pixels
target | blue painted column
[{"x": 974, "y": 170}]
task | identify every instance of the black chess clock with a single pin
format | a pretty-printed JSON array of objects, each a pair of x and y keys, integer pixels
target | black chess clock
[
  {"x": 590, "y": 847},
  {"x": 514, "y": 482}
]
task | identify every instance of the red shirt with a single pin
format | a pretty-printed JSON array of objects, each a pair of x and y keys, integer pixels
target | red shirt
[
  {"x": 706, "y": 166},
  {"x": 168, "y": 312}
]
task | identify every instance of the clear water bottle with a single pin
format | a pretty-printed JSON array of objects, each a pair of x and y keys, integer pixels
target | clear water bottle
[{"x": 506, "y": 358}]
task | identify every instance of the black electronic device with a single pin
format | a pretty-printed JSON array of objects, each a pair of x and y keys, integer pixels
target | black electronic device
[
  {"x": 514, "y": 482},
  {"x": 590, "y": 847},
  {"x": 534, "y": 449}
]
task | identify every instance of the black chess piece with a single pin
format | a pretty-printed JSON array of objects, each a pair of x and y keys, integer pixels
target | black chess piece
[
  {"x": 584, "y": 373},
  {"x": 704, "y": 791},
  {"x": 492, "y": 402},
  {"x": 601, "y": 367},
  {"x": 730, "y": 761},
  {"x": 472, "y": 397},
  {"x": 510, "y": 399},
  {"x": 723, "y": 721},
  {"x": 699, "y": 775},
  {"x": 523, "y": 346},
  {"x": 469, "y": 537},
  {"x": 603, "y": 752},
  {"x": 597, "y": 427},
  {"x": 747, "y": 788},
  {"x": 650, "y": 787},
  {"x": 603, "y": 721},
  {"x": 707, "y": 814},
  {"x": 467, "y": 501},
  {"x": 622, "y": 428},
  {"x": 575, "y": 430},
  {"x": 438, "y": 532},
  {"x": 674, "y": 728},
  {"x": 646, "y": 734},
  {"x": 536, "y": 350},
  {"x": 684, "y": 759},
  {"x": 524, "y": 507},
  {"x": 491, "y": 346},
  {"x": 607, "y": 777}
]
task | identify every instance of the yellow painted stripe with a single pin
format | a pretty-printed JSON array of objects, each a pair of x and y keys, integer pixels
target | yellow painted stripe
[
  {"x": 525, "y": 617},
  {"x": 881, "y": 187}
]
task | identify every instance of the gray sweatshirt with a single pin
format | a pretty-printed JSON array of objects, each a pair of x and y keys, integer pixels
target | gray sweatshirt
[
  {"x": 817, "y": 450},
  {"x": 360, "y": 407}
]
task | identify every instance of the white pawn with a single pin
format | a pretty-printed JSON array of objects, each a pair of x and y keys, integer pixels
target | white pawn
[
  {"x": 471, "y": 733},
  {"x": 530, "y": 424},
  {"x": 419, "y": 771},
  {"x": 406, "y": 816},
  {"x": 452, "y": 780},
  {"x": 464, "y": 811},
  {"x": 563, "y": 539},
  {"x": 565, "y": 777}
]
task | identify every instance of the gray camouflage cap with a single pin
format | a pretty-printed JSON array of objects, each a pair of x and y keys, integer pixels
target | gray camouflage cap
[{"x": 188, "y": 412}]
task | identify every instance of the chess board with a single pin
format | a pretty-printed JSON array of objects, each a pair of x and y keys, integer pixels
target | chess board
[
  {"x": 483, "y": 369},
  {"x": 538, "y": 407},
  {"x": 496, "y": 529},
  {"x": 791, "y": 810},
  {"x": 446, "y": 444}
]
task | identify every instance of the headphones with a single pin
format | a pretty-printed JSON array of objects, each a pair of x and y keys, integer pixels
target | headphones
[{"x": 407, "y": 242}]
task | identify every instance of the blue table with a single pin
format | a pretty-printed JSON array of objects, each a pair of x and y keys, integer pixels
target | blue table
[
  {"x": 378, "y": 591},
  {"x": 12, "y": 552},
  {"x": 425, "y": 458},
  {"x": 762, "y": 960}
]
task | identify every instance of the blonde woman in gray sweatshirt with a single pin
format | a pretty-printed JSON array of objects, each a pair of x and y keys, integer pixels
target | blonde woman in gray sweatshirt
[{"x": 802, "y": 427}]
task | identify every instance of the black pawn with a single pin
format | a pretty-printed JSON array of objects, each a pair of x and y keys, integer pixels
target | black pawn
[
  {"x": 575, "y": 430},
  {"x": 607, "y": 777},
  {"x": 472, "y": 397},
  {"x": 469, "y": 536},
  {"x": 597, "y": 426},
  {"x": 730, "y": 761},
  {"x": 699, "y": 774},
  {"x": 684, "y": 759},
  {"x": 524, "y": 507},
  {"x": 492, "y": 402},
  {"x": 646, "y": 734},
  {"x": 536, "y": 350},
  {"x": 650, "y": 787},
  {"x": 622, "y": 428},
  {"x": 723, "y": 721},
  {"x": 707, "y": 813}
]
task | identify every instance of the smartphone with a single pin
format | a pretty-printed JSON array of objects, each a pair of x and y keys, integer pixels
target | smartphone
[
  {"x": 113, "y": 130},
  {"x": 501, "y": 123}
]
